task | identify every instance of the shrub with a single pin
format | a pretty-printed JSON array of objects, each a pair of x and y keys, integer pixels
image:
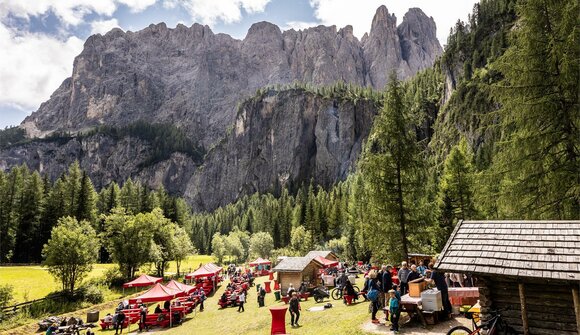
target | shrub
[
  {"x": 113, "y": 277},
  {"x": 92, "y": 294},
  {"x": 6, "y": 294}
]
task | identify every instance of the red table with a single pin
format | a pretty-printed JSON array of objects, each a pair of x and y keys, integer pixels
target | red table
[
  {"x": 278, "y": 320},
  {"x": 267, "y": 287},
  {"x": 271, "y": 275},
  {"x": 276, "y": 286},
  {"x": 463, "y": 295}
]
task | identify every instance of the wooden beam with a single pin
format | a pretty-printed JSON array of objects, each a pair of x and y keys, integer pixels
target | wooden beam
[
  {"x": 576, "y": 306},
  {"x": 524, "y": 309}
]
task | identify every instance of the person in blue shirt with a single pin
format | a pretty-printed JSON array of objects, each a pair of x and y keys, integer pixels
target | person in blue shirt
[{"x": 394, "y": 310}]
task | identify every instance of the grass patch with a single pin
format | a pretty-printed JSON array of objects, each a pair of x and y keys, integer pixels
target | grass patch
[
  {"x": 34, "y": 282},
  {"x": 340, "y": 319}
]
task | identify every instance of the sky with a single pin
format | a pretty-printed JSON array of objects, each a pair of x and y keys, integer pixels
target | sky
[{"x": 40, "y": 38}]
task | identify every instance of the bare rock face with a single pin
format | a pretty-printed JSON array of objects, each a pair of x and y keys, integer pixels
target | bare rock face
[
  {"x": 419, "y": 44},
  {"x": 194, "y": 79},
  {"x": 382, "y": 49},
  {"x": 282, "y": 139}
]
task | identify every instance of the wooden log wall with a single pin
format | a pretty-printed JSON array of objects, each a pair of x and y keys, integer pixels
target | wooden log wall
[{"x": 549, "y": 305}]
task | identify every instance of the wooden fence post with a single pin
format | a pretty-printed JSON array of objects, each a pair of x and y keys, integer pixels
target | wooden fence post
[
  {"x": 524, "y": 309},
  {"x": 576, "y": 305}
]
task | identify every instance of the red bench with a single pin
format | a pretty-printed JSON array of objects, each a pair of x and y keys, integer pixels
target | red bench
[
  {"x": 106, "y": 325},
  {"x": 151, "y": 320}
]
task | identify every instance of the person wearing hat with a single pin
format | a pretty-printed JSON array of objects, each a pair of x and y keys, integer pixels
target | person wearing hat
[{"x": 394, "y": 310}]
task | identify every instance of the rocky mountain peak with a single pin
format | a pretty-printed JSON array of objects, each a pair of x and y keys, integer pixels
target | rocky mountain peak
[
  {"x": 194, "y": 79},
  {"x": 418, "y": 36}
]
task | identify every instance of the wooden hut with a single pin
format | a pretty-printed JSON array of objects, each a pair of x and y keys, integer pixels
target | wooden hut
[
  {"x": 532, "y": 268},
  {"x": 295, "y": 270},
  {"x": 322, "y": 253}
]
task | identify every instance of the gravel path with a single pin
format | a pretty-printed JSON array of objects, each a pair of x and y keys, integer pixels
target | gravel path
[{"x": 415, "y": 328}]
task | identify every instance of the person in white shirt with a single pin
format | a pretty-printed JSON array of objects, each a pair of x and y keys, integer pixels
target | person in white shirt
[{"x": 242, "y": 298}]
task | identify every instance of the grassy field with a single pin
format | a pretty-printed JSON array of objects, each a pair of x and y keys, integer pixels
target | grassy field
[
  {"x": 34, "y": 282},
  {"x": 340, "y": 319}
]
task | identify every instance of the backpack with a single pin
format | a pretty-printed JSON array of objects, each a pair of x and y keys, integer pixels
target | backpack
[{"x": 373, "y": 294}]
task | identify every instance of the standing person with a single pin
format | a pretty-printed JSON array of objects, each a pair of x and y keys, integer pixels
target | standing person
[
  {"x": 414, "y": 275},
  {"x": 261, "y": 297},
  {"x": 242, "y": 300},
  {"x": 119, "y": 323},
  {"x": 423, "y": 267},
  {"x": 294, "y": 310},
  {"x": 438, "y": 278},
  {"x": 403, "y": 274},
  {"x": 373, "y": 295},
  {"x": 202, "y": 298},
  {"x": 386, "y": 281},
  {"x": 394, "y": 310},
  {"x": 142, "y": 318}
]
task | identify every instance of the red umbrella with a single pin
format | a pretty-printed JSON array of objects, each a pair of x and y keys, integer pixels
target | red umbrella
[
  {"x": 326, "y": 262},
  {"x": 260, "y": 261},
  {"x": 143, "y": 280},
  {"x": 158, "y": 292},
  {"x": 180, "y": 286}
]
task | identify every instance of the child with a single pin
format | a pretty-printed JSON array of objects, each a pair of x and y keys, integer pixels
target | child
[{"x": 394, "y": 311}]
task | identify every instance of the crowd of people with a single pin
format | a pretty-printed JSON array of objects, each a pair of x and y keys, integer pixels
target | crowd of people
[{"x": 386, "y": 286}]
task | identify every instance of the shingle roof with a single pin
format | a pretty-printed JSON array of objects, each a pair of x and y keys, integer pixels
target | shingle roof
[
  {"x": 321, "y": 253},
  {"x": 539, "y": 249},
  {"x": 294, "y": 264}
]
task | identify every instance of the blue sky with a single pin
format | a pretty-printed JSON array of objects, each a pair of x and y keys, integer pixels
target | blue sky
[{"x": 40, "y": 38}]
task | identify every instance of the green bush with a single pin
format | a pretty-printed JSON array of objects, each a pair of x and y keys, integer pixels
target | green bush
[
  {"x": 113, "y": 277},
  {"x": 6, "y": 294},
  {"x": 92, "y": 294}
]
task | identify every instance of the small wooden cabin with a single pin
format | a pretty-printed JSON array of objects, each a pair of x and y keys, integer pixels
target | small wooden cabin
[
  {"x": 322, "y": 253},
  {"x": 530, "y": 267},
  {"x": 295, "y": 270}
]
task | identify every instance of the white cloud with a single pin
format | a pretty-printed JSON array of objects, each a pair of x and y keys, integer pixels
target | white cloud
[
  {"x": 360, "y": 14},
  {"x": 102, "y": 27},
  {"x": 211, "y": 11},
  {"x": 299, "y": 25},
  {"x": 34, "y": 65},
  {"x": 70, "y": 12}
]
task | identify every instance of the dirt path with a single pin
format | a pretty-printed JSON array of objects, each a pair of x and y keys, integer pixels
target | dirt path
[{"x": 415, "y": 329}]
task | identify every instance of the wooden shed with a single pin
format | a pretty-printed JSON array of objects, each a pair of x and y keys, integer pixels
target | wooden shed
[
  {"x": 322, "y": 253},
  {"x": 532, "y": 268},
  {"x": 295, "y": 270}
]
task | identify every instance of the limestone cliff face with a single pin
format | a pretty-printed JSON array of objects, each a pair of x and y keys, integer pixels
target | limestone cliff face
[
  {"x": 194, "y": 79},
  {"x": 283, "y": 139}
]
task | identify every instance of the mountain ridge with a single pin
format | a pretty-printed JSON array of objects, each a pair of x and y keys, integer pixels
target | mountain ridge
[{"x": 194, "y": 80}]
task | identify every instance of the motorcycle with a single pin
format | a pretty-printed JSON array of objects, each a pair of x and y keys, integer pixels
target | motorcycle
[{"x": 320, "y": 293}]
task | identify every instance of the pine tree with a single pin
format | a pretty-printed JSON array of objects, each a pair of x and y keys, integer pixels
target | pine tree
[
  {"x": 393, "y": 174},
  {"x": 86, "y": 202},
  {"x": 73, "y": 185},
  {"x": 456, "y": 193},
  {"x": 28, "y": 243},
  {"x": 538, "y": 156}
]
